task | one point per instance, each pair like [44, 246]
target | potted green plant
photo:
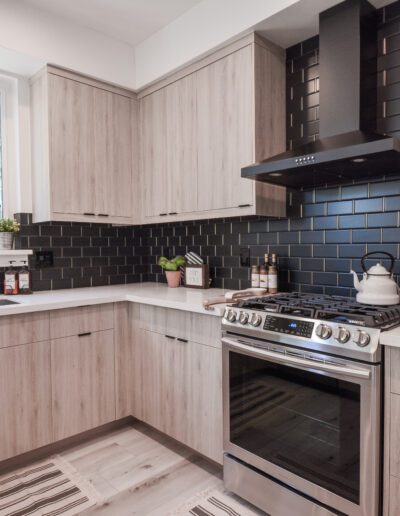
[171, 268]
[8, 228]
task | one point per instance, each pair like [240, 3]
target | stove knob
[323, 331]
[231, 316]
[255, 320]
[243, 318]
[361, 338]
[341, 334]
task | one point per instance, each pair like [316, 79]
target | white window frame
[15, 134]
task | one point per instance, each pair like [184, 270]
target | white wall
[52, 39]
[204, 27]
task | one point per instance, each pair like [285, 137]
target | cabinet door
[113, 155]
[25, 398]
[225, 115]
[72, 146]
[83, 382]
[154, 154]
[180, 98]
[182, 391]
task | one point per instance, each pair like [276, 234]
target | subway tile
[337, 265]
[352, 250]
[279, 225]
[352, 221]
[340, 236]
[310, 210]
[340, 207]
[354, 191]
[327, 194]
[301, 250]
[392, 203]
[384, 188]
[325, 222]
[379, 220]
[312, 264]
[391, 235]
[325, 278]
[311, 237]
[325, 251]
[287, 237]
[300, 224]
[368, 205]
[366, 235]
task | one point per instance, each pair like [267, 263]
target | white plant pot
[6, 240]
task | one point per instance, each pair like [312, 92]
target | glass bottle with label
[273, 275]
[255, 276]
[11, 281]
[24, 280]
[263, 277]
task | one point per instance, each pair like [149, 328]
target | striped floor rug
[46, 489]
[215, 502]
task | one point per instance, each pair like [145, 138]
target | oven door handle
[302, 363]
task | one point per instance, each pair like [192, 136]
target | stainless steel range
[302, 403]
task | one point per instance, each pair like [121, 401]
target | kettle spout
[357, 284]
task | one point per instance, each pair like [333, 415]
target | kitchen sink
[4, 302]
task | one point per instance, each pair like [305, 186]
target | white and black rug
[48, 488]
[215, 502]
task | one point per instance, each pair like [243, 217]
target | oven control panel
[289, 326]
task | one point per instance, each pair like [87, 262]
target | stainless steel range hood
[349, 147]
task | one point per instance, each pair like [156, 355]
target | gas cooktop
[327, 308]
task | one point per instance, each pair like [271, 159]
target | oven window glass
[305, 422]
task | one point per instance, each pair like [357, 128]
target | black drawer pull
[163, 214]
[244, 205]
[173, 213]
[103, 214]
[91, 214]
[170, 337]
[182, 340]
[84, 334]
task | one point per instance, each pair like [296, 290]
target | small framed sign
[197, 276]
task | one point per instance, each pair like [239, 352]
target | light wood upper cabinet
[25, 398]
[82, 149]
[226, 131]
[203, 124]
[181, 137]
[153, 154]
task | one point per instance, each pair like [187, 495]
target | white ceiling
[131, 21]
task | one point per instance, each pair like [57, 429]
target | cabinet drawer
[395, 370]
[200, 328]
[24, 329]
[83, 319]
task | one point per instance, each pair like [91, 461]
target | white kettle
[378, 286]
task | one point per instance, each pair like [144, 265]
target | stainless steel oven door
[313, 425]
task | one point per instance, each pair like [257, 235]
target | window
[15, 180]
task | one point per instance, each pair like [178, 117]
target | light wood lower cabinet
[25, 398]
[82, 382]
[181, 385]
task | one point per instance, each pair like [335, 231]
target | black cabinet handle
[182, 340]
[91, 214]
[163, 214]
[84, 334]
[170, 337]
[173, 213]
[103, 214]
[244, 205]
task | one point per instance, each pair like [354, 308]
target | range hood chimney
[348, 146]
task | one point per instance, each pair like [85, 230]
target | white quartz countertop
[156, 294]
[391, 338]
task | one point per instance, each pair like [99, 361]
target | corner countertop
[156, 294]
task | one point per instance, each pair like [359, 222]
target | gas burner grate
[333, 308]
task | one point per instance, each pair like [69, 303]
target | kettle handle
[377, 252]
